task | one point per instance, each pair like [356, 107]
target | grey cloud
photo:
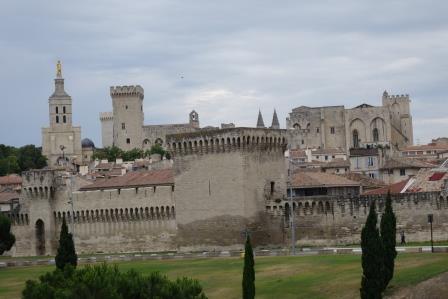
[235, 57]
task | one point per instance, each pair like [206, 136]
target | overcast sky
[225, 59]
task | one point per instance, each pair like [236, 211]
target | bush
[66, 251]
[7, 239]
[104, 281]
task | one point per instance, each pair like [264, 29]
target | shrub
[104, 281]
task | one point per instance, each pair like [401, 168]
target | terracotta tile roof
[105, 165]
[401, 162]
[6, 197]
[134, 179]
[327, 151]
[336, 163]
[366, 181]
[424, 147]
[297, 153]
[10, 179]
[394, 189]
[424, 181]
[320, 179]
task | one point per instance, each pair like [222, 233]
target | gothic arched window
[375, 134]
[64, 119]
[57, 110]
[57, 119]
[63, 109]
[355, 139]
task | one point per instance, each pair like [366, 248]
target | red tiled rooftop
[10, 179]
[134, 179]
[424, 147]
[320, 179]
[6, 197]
[394, 189]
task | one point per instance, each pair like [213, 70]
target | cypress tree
[248, 272]
[372, 258]
[66, 253]
[388, 228]
[7, 239]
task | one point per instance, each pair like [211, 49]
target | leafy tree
[30, 157]
[103, 281]
[7, 239]
[16, 160]
[133, 154]
[388, 228]
[9, 165]
[66, 253]
[157, 149]
[248, 271]
[372, 258]
[108, 153]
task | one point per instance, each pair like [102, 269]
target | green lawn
[323, 276]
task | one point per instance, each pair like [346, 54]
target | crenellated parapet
[126, 91]
[398, 98]
[106, 116]
[42, 183]
[226, 140]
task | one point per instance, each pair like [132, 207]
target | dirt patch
[434, 288]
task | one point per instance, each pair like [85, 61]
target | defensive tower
[223, 180]
[127, 102]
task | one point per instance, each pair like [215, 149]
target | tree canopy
[16, 160]
[7, 239]
[113, 152]
[104, 281]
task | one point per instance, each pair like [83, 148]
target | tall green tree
[66, 253]
[388, 229]
[7, 239]
[248, 271]
[372, 258]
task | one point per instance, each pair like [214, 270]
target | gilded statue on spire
[59, 69]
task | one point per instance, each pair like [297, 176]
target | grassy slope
[331, 276]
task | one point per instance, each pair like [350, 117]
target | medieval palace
[219, 182]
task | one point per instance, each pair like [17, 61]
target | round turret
[87, 143]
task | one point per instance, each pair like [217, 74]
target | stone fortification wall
[153, 134]
[222, 179]
[326, 221]
[116, 220]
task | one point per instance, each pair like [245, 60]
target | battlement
[224, 140]
[131, 90]
[106, 116]
[398, 97]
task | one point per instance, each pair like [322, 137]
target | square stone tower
[61, 142]
[223, 180]
[128, 117]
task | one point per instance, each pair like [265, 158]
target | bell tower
[61, 142]
[194, 119]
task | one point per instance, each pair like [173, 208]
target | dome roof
[86, 142]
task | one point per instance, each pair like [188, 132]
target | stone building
[363, 126]
[218, 186]
[124, 127]
[61, 142]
